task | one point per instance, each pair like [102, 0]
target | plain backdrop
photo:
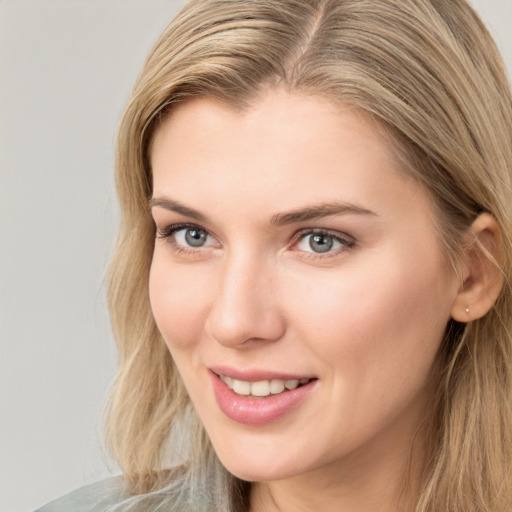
[66, 70]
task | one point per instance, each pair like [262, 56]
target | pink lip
[257, 411]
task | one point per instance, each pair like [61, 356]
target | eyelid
[170, 229]
[348, 242]
[167, 234]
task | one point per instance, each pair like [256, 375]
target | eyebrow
[315, 211]
[176, 206]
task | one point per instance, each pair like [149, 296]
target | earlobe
[481, 276]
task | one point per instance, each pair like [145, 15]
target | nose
[246, 307]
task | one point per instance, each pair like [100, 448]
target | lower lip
[258, 411]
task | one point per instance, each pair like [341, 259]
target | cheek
[372, 321]
[375, 334]
[179, 301]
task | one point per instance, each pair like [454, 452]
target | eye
[187, 236]
[192, 237]
[321, 242]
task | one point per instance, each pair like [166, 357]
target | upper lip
[256, 375]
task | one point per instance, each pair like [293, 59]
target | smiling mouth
[262, 388]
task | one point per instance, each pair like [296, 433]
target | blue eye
[321, 242]
[191, 236]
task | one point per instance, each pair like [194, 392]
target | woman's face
[292, 253]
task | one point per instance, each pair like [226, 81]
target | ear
[481, 276]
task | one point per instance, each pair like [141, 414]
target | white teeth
[291, 384]
[261, 388]
[227, 380]
[276, 386]
[241, 387]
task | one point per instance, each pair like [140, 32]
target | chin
[251, 473]
[259, 467]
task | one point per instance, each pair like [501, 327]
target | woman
[311, 291]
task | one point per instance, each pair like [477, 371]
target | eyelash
[167, 234]
[347, 242]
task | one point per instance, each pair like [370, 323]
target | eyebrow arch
[317, 211]
[176, 206]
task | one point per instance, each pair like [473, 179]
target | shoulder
[95, 497]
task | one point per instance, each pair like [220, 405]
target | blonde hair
[429, 71]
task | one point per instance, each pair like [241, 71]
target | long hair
[429, 72]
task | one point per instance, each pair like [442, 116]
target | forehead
[207, 127]
[286, 147]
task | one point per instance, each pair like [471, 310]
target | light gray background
[66, 69]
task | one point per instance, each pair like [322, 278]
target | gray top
[96, 497]
[109, 496]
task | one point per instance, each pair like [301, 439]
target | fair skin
[241, 286]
